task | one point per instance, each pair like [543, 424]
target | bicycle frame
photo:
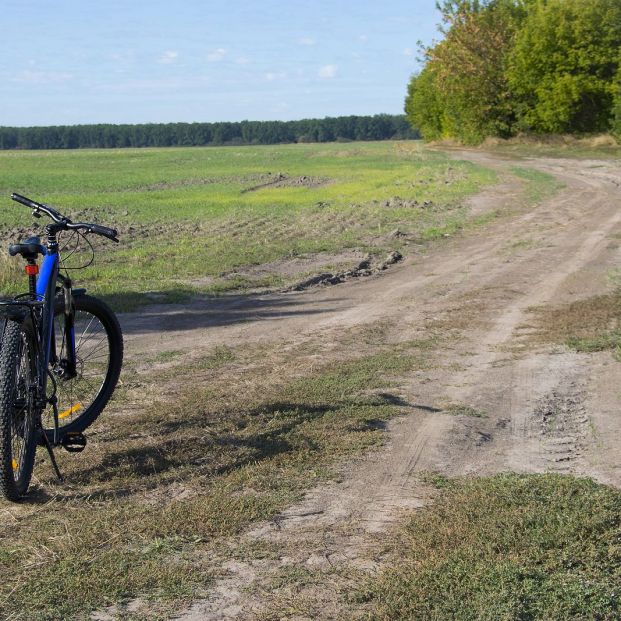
[45, 289]
[46, 292]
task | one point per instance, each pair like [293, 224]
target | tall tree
[469, 66]
[616, 112]
[424, 108]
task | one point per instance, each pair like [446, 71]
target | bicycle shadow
[180, 451]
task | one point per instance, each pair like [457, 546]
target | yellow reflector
[70, 411]
[14, 464]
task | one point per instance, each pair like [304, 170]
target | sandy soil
[547, 409]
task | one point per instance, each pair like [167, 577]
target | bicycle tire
[18, 414]
[81, 400]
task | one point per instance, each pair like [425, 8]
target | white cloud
[328, 71]
[408, 51]
[148, 86]
[242, 60]
[271, 76]
[216, 55]
[168, 57]
[306, 41]
[42, 77]
[363, 38]
[124, 58]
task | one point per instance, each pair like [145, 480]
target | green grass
[609, 340]
[539, 185]
[187, 223]
[507, 547]
[118, 533]
[462, 409]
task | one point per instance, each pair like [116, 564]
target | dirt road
[546, 408]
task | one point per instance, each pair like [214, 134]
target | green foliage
[463, 92]
[423, 106]
[470, 65]
[563, 65]
[330, 129]
[505, 66]
[616, 114]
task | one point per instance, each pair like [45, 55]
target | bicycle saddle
[29, 248]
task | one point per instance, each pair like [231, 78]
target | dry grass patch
[593, 324]
[592, 146]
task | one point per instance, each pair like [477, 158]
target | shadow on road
[218, 311]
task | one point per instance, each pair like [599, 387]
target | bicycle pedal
[74, 442]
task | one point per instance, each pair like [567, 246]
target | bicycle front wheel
[99, 356]
[18, 414]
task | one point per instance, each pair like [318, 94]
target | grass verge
[507, 547]
[539, 185]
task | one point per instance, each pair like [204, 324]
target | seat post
[32, 269]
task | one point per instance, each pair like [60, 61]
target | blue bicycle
[61, 353]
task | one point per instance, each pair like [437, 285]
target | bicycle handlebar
[98, 229]
[52, 213]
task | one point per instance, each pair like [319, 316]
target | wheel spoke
[85, 329]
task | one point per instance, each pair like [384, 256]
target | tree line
[329, 129]
[506, 67]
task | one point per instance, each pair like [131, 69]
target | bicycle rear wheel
[99, 356]
[18, 414]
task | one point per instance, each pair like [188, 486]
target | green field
[192, 218]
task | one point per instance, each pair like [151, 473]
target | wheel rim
[92, 361]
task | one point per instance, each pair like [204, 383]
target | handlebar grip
[105, 231]
[25, 201]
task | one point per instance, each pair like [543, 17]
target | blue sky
[113, 61]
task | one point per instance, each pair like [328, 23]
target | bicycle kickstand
[48, 444]
[50, 450]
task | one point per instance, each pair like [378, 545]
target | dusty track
[547, 409]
